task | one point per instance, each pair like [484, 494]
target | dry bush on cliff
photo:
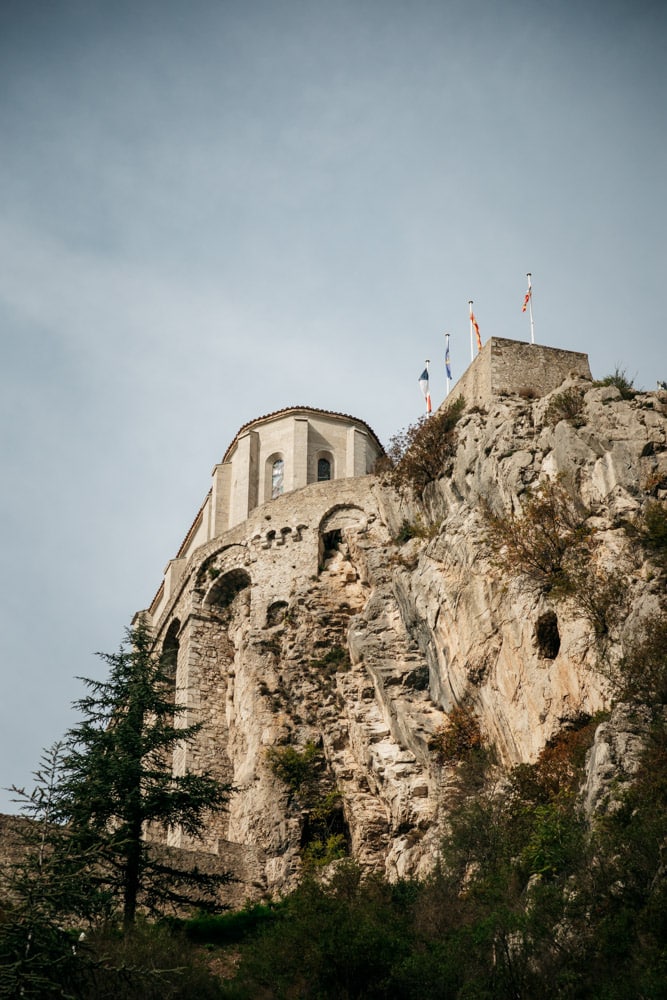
[419, 454]
[538, 541]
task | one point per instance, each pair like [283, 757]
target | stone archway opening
[275, 613]
[169, 654]
[227, 588]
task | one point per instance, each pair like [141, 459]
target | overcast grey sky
[211, 210]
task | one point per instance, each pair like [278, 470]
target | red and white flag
[476, 326]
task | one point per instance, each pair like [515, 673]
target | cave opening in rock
[547, 636]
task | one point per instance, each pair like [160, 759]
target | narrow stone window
[169, 657]
[277, 478]
[323, 470]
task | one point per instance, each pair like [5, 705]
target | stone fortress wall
[504, 367]
[248, 558]
[299, 438]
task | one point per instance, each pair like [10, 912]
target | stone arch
[209, 569]
[333, 525]
[275, 613]
[343, 515]
[169, 651]
[226, 588]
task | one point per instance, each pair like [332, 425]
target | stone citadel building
[291, 555]
[295, 447]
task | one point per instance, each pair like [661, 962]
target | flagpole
[472, 356]
[530, 308]
[447, 360]
[428, 398]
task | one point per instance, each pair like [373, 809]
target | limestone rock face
[418, 628]
[615, 757]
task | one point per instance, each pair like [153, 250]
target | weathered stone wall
[506, 367]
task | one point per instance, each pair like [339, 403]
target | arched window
[277, 478]
[169, 657]
[323, 470]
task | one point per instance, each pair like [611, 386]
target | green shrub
[324, 833]
[458, 737]
[298, 769]
[654, 532]
[567, 405]
[321, 851]
[620, 380]
[226, 928]
[642, 674]
[554, 842]
[335, 660]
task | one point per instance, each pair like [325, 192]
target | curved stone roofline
[285, 411]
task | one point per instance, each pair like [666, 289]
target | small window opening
[323, 470]
[277, 478]
[169, 657]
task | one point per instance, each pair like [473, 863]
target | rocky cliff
[354, 629]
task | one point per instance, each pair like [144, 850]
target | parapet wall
[507, 367]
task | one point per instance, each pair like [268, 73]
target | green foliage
[620, 380]
[116, 778]
[458, 737]
[408, 530]
[46, 888]
[567, 405]
[299, 769]
[419, 454]
[335, 660]
[322, 850]
[642, 673]
[340, 940]
[226, 928]
[554, 842]
[524, 902]
[324, 835]
[653, 532]
[414, 529]
[146, 962]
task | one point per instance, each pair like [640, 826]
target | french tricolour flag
[423, 385]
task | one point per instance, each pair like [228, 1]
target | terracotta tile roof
[302, 409]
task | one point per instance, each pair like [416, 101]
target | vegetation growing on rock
[418, 455]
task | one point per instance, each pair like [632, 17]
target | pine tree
[116, 780]
[43, 892]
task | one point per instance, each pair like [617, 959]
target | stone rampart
[508, 367]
